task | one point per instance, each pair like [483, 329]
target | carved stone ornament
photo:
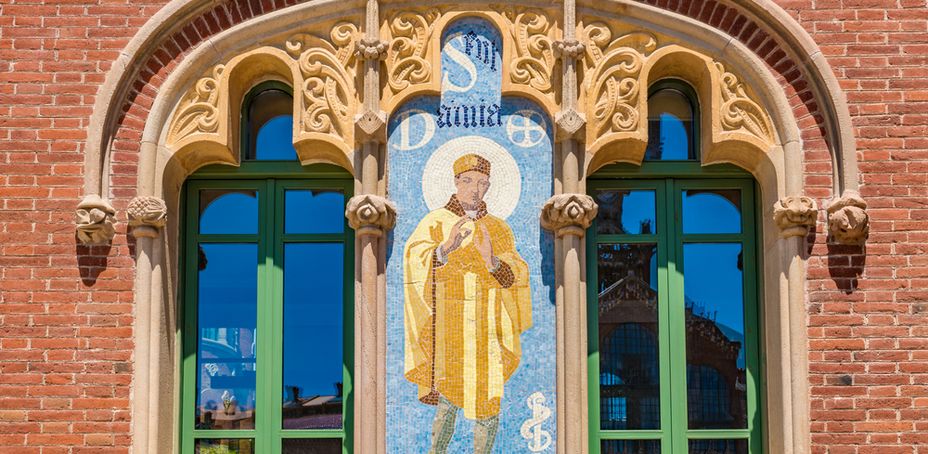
[95, 221]
[613, 67]
[848, 221]
[533, 59]
[569, 48]
[197, 112]
[370, 214]
[328, 71]
[371, 126]
[795, 215]
[407, 61]
[371, 49]
[568, 214]
[147, 215]
[569, 124]
[738, 111]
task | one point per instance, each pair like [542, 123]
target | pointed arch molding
[312, 46]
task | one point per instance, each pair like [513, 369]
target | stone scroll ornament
[612, 86]
[147, 215]
[198, 111]
[795, 215]
[328, 71]
[407, 60]
[738, 111]
[96, 220]
[533, 59]
[848, 221]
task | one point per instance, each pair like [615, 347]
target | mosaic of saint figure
[467, 301]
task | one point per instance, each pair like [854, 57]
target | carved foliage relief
[325, 89]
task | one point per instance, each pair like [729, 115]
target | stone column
[568, 213]
[370, 214]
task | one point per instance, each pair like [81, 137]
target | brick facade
[66, 311]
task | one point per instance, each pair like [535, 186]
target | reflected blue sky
[313, 326]
[225, 211]
[711, 211]
[674, 139]
[633, 209]
[714, 284]
[275, 140]
[314, 211]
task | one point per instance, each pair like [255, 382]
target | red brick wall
[66, 310]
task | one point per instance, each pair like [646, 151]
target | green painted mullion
[347, 432]
[627, 239]
[713, 238]
[188, 323]
[266, 334]
[719, 434]
[664, 216]
[228, 238]
[231, 433]
[752, 334]
[674, 205]
[633, 435]
[592, 272]
[313, 238]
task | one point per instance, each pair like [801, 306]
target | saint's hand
[484, 245]
[455, 237]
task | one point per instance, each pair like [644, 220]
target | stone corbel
[569, 48]
[370, 214]
[96, 219]
[568, 214]
[147, 215]
[795, 216]
[848, 221]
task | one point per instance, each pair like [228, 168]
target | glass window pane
[270, 127]
[718, 447]
[626, 212]
[313, 333]
[229, 211]
[314, 211]
[670, 127]
[226, 345]
[311, 446]
[226, 446]
[631, 447]
[712, 211]
[629, 371]
[715, 356]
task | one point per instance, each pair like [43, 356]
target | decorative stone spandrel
[370, 214]
[568, 214]
[848, 221]
[96, 219]
[795, 215]
[147, 215]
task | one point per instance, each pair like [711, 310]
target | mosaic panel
[471, 363]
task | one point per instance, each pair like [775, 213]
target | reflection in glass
[712, 211]
[715, 357]
[631, 447]
[270, 127]
[626, 212]
[226, 345]
[229, 211]
[313, 312]
[225, 446]
[670, 127]
[311, 446]
[314, 211]
[629, 374]
[718, 447]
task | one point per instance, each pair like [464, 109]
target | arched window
[673, 316]
[267, 299]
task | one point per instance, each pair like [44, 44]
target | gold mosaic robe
[463, 322]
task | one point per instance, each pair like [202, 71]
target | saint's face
[472, 186]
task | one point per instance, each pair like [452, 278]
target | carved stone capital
[568, 214]
[569, 48]
[147, 215]
[848, 221]
[370, 214]
[371, 49]
[795, 215]
[95, 220]
[371, 126]
[569, 123]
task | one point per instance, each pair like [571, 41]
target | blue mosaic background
[416, 130]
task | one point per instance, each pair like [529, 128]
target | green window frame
[668, 180]
[270, 179]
